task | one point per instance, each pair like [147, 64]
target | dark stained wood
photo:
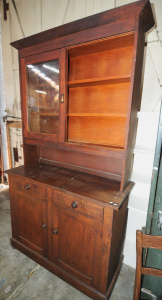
[30, 217]
[145, 241]
[98, 150]
[81, 37]
[29, 188]
[69, 201]
[82, 205]
[117, 242]
[99, 190]
[134, 102]
[132, 10]
[109, 167]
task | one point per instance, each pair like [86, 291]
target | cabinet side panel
[31, 154]
[117, 241]
[12, 207]
[134, 102]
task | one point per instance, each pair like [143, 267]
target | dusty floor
[23, 279]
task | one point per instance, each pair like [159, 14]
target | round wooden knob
[74, 205]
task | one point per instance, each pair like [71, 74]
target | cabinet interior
[98, 91]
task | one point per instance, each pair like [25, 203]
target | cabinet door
[75, 241]
[30, 214]
[43, 88]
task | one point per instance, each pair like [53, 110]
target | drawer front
[78, 204]
[28, 187]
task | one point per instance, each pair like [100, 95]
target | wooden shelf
[48, 114]
[103, 80]
[118, 115]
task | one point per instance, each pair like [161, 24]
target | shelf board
[48, 114]
[122, 115]
[102, 80]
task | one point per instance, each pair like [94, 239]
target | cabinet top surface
[134, 10]
[98, 189]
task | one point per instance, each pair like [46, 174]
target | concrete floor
[23, 279]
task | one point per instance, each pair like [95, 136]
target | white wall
[39, 15]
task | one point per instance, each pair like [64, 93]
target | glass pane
[43, 97]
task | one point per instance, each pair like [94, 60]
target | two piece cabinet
[80, 94]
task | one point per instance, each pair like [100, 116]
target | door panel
[31, 221]
[74, 245]
[43, 95]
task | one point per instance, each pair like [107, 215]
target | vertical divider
[63, 94]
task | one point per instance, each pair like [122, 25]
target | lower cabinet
[75, 243]
[76, 238]
[30, 221]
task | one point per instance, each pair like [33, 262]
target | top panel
[134, 10]
[97, 189]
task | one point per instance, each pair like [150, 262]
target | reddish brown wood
[108, 63]
[83, 206]
[117, 104]
[31, 219]
[132, 10]
[81, 37]
[104, 166]
[69, 203]
[117, 242]
[145, 241]
[134, 102]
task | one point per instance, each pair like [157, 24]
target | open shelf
[97, 115]
[98, 91]
[100, 81]
[97, 130]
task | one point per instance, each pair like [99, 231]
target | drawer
[28, 187]
[78, 204]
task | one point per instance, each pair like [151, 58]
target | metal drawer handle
[74, 204]
[44, 225]
[26, 187]
[54, 231]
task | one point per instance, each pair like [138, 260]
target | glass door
[43, 96]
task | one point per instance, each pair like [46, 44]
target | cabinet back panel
[103, 64]
[105, 98]
[97, 130]
[109, 167]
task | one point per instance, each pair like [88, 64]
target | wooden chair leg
[137, 287]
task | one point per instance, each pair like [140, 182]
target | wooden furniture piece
[145, 241]
[80, 91]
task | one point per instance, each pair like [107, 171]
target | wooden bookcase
[80, 90]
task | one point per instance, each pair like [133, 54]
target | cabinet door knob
[54, 231]
[26, 187]
[74, 205]
[44, 225]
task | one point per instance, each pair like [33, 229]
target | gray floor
[21, 278]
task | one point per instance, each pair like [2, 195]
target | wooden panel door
[30, 220]
[75, 243]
